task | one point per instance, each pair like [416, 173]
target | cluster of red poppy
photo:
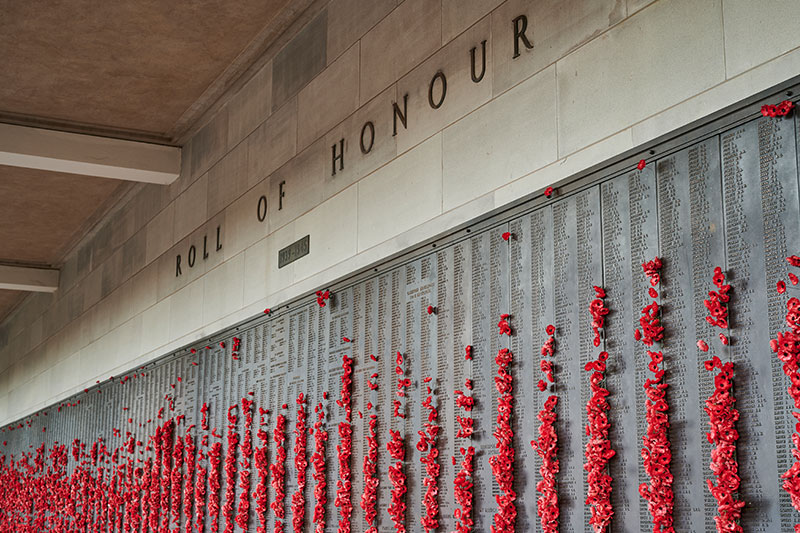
[321, 297]
[345, 448]
[176, 479]
[278, 471]
[245, 452]
[427, 443]
[780, 110]
[503, 463]
[230, 469]
[262, 468]
[723, 435]
[598, 310]
[787, 346]
[188, 488]
[237, 342]
[717, 301]
[546, 446]
[656, 450]
[300, 465]
[397, 509]
[463, 492]
[370, 496]
[214, 463]
[598, 448]
[505, 328]
[396, 449]
[319, 462]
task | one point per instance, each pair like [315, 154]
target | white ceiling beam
[28, 279]
[74, 153]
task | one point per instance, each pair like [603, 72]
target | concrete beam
[28, 279]
[73, 153]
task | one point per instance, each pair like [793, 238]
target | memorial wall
[384, 401]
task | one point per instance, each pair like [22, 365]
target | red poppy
[506, 235]
[548, 192]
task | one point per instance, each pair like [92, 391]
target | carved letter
[371, 127]
[205, 245]
[520, 25]
[261, 210]
[178, 266]
[281, 194]
[438, 75]
[476, 78]
[340, 157]
[219, 243]
[192, 255]
[397, 113]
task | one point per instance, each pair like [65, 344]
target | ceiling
[144, 70]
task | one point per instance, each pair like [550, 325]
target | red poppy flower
[506, 236]
[793, 278]
[267, 311]
[781, 287]
[794, 260]
[642, 163]
[548, 192]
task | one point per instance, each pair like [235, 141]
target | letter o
[261, 210]
[367, 125]
[438, 75]
[192, 255]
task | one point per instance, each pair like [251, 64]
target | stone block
[243, 227]
[328, 99]
[300, 60]
[160, 233]
[509, 137]
[348, 20]
[302, 176]
[207, 146]
[227, 180]
[458, 15]
[398, 43]
[186, 309]
[554, 27]
[332, 227]
[250, 106]
[450, 66]
[191, 208]
[400, 195]
[223, 289]
[756, 32]
[380, 149]
[661, 56]
[272, 144]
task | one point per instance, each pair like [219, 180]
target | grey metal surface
[730, 200]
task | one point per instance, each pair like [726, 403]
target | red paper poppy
[548, 192]
[642, 163]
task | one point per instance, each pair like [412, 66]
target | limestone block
[328, 99]
[509, 137]
[554, 28]
[400, 195]
[397, 43]
[661, 56]
[348, 20]
[462, 94]
[300, 60]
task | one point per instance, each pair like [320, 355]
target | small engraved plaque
[294, 251]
